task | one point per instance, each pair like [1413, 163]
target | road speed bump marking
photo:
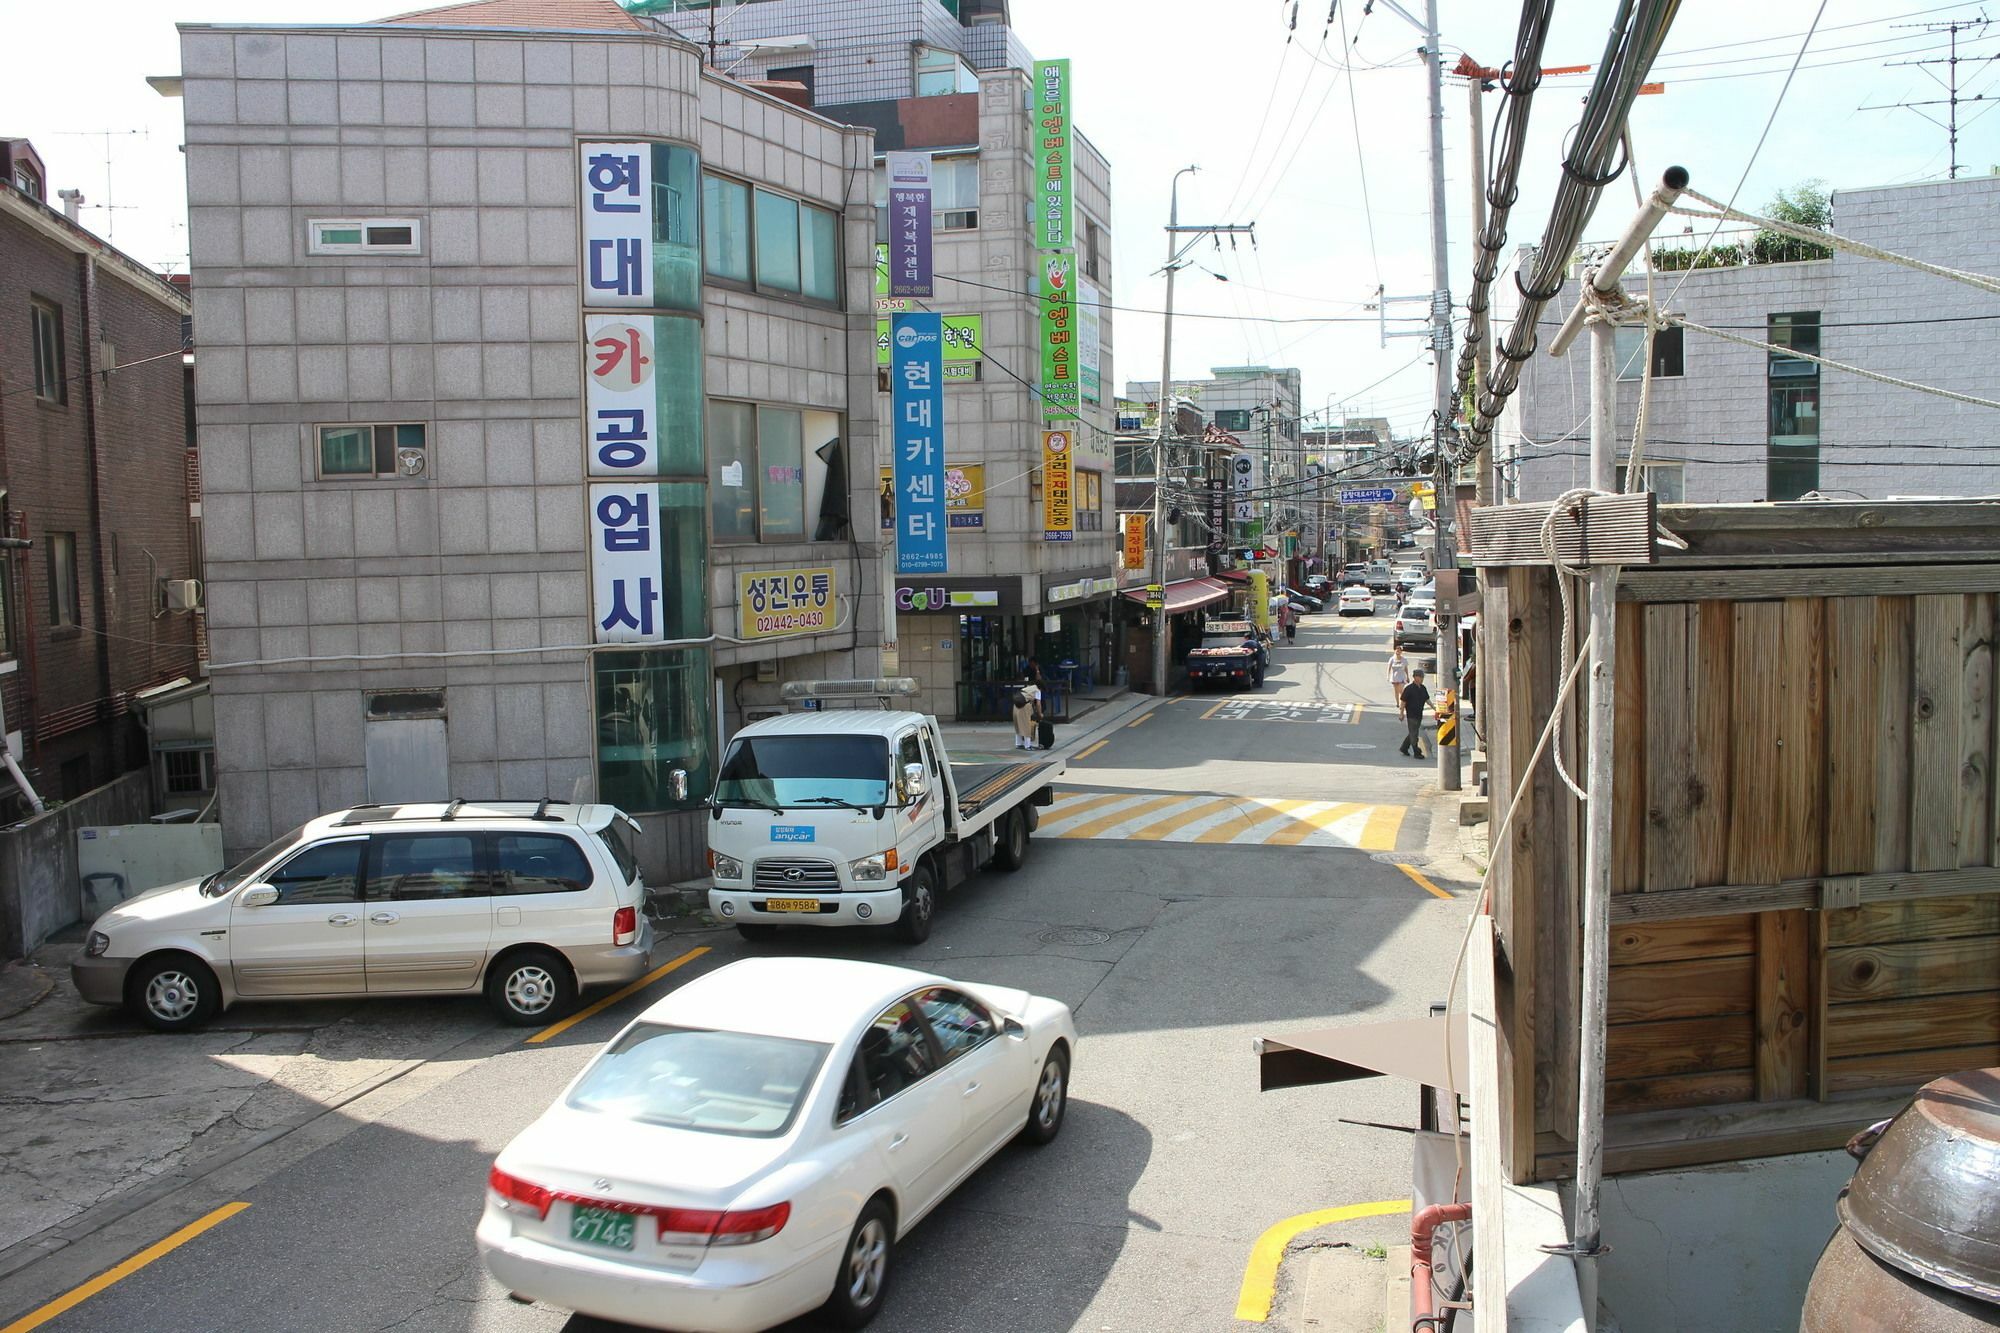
[1260, 1275]
[557, 1029]
[110, 1276]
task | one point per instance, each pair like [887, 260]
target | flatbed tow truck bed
[983, 785]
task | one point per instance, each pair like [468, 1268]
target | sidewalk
[1092, 715]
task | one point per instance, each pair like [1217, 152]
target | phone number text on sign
[778, 602]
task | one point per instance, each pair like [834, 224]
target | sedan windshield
[779, 771]
[688, 1078]
[223, 881]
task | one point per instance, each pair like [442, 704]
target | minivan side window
[327, 873]
[538, 863]
[418, 867]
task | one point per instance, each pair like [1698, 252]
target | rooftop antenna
[1949, 82]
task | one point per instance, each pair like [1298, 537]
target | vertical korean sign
[1054, 178]
[909, 224]
[617, 223]
[1058, 475]
[1060, 383]
[1135, 541]
[916, 383]
[621, 405]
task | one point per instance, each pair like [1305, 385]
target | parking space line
[78, 1295]
[1090, 750]
[1423, 882]
[1213, 709]
[1260, 1275]
[1141, 718]
[591, 1010]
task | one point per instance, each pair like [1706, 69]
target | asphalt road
[1142, 1214]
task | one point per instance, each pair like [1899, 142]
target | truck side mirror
[677, 784]
[915, 780]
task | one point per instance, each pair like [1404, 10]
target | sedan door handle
[384, 918]
[898, 1142]
[342, 919]
[970, 1088]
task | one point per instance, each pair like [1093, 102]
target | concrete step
[1472, 809]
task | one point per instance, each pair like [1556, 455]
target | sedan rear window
[690, 1078]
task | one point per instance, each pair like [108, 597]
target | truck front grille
[790, 872]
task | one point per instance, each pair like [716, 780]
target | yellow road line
[1091, 828]
[1423, 883]
[1213, 709]
[1358, 709]
[557, 1029]
[1260, 1276]
[1379, 835]
[1091, 750]
[1304, 825]
[1143, 717]
[1181, 819]
[78, 1295]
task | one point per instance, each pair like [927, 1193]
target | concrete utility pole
[1175, 254]
[1602, 585]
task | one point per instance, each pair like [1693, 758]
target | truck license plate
[791, 904]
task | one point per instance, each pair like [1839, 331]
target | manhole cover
[1400, 859]
[1353, 745]
[1074, 935]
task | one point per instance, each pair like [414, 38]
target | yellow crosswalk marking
[1306, 822]
[1380, 833]
[1181, 819]
[1091, 828]
[1260, 812]
[1265, 821]
[1076, 803]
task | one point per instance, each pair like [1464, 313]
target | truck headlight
[725, 867]
[869, 868]
[96, 944]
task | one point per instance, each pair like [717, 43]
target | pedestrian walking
[1399, 676]
[1027, 707]
[1415, 699]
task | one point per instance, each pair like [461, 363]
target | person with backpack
[1026, 702]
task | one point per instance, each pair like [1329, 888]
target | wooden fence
[1807, 832]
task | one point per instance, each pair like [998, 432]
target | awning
[1411, 1048]
[1186, 595]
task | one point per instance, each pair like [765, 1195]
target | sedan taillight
[625, 925]
[702, 1226]
[518, 1195]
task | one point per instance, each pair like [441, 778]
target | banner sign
[964, 496]
[1368, 495]
[1054, 179]
[1135, 541]
[625, 571]
[1243, 477]
[1218, 514]
[916, 384]
[1055, 269]
[1089, 339]
[617, 184]
[961, 339]
[909, 224]
[774, 603]
[1058, 474]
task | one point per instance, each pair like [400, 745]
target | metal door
[407, 760]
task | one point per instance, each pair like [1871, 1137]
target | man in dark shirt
[1415, 699]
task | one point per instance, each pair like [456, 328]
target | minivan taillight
[625, 925]
[518, 1195]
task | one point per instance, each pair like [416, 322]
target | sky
[1315, 134]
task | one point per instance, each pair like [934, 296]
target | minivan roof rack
[378, 813]
[451, 811]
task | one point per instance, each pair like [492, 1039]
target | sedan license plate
[791, 904]
[601, 1226]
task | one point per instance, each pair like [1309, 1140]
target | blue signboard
[916, 382]
[793, 833]
[1368, 495]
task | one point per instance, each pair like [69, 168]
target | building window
[1233, 418]
[1629, 343]
[1092, 240]
[62, 577]
[45, 323]
[1133, 461]
[1664, 478]
[6, 606]
[768, 466]
[350, 451]
[725, 209]
[28, 181]
[1089, 501]
[941, 72]
[364, 236]
[187, 772]
[792, 247]
[1792, 461]
[652, 708]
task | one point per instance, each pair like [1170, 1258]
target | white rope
[1724, 212]
[1875, 375]
[1567, 501]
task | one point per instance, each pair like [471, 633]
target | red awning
[1235, 575]
[1186, 595]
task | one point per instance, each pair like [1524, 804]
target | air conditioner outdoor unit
[182, 594]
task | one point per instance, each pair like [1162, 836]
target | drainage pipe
[1423, 1290]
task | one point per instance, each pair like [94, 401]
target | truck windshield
[794, 770]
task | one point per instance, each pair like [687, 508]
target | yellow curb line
[557, 1029]
[78, 1295]
[1146, 716]
[1260, 1277]
[1422, 882]
[1090, 750]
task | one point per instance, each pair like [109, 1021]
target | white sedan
[751, 1147]
[1357, 600]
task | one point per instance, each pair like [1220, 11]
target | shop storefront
[962, 640]
[1188, 603]
[1076, 642]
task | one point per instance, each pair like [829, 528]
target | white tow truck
[857, 816]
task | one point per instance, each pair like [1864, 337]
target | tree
[1804, 205]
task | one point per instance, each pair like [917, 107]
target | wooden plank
[1616, 529]
[1691, 988]
[1709, 799]
[1919, 1023]
[1932, 967]
[1500, 721]
[1671, 584]
[1783, 1003]
[1908, 1069]
[1691, 1136]
[1628, 765]
[1800, 752]
[1513, 902]
[1551, 867]
[1755, 794]
[1936, 684]
[1669, 941]
[1679, 1046]
[1670, 783]
[1852, 683]
[1975, 769]
[1622, 1096]
[1820, 524]
[1894, 623]
[1923, 919]
[1817, 1005]
[1730, 899]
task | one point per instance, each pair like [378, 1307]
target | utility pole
[1481, 334]
[1176, 256]
[1949, 83]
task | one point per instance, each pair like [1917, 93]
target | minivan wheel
[863, 1280]
[173, 993]
[531, 988]
[919, 905]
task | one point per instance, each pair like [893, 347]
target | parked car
[1304, 602]
[753, 1146]
[1317, 584]
[1357, 602]
[1415, 627]
[1230, 653]
[528, 902]
[1353, 574]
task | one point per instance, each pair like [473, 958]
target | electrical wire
[1190, 314]
[82, 375]
[1361, 160]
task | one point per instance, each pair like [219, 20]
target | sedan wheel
[863, 1281]
[1045, 1113]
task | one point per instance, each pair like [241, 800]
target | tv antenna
[1950, 81]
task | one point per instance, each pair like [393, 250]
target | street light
[1160, 444]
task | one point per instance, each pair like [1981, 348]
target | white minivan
[529, 902]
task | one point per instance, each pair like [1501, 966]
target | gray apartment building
[536, 405]
[1259, 406]
[1731, 423]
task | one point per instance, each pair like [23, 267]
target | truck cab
[1229, 654]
